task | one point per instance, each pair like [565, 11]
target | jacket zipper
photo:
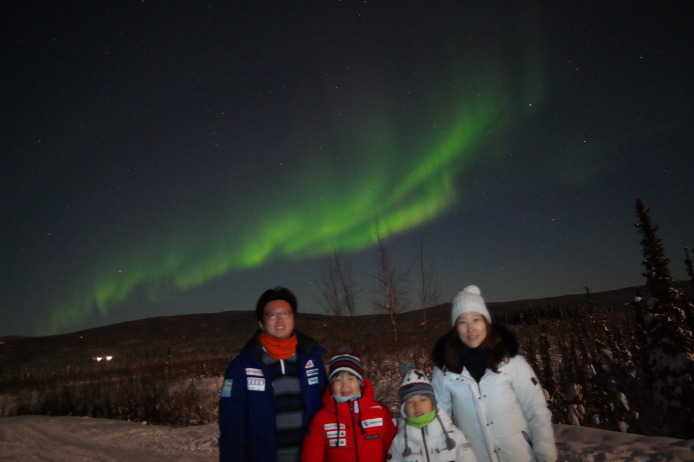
[424, 440]
[354, 432]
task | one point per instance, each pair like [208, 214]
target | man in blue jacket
[272, 388]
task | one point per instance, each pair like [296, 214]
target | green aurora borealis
[178, 158]
[396, 191]
[375, 147]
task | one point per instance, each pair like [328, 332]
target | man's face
[278, 319]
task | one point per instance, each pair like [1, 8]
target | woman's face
[345, 385]
[418, 405]
[471, 328]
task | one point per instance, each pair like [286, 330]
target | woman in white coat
[490, 391]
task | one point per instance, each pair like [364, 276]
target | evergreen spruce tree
[600, 388]
[690, 299]
[619, 345]
[690, 268]
[549, 380]
[657, 274]
[593, 379]
[649, 417]
[574, 380]
[529, 352]
[668, 356]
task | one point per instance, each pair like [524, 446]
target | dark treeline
[588, 358]
[619, 366]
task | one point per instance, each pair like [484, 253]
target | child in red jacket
[351, 425]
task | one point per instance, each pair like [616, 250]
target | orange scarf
[279, 348]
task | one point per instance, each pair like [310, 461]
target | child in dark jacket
[351, 425]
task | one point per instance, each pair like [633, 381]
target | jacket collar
[367, 396]
[305, 345]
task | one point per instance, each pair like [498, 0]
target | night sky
[171, 157]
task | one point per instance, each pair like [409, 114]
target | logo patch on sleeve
[226, 388]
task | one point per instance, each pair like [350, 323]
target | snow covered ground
[41, 438]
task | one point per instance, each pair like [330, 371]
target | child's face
[418, 405]
[345, 384]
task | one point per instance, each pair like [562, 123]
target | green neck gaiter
[421, 421]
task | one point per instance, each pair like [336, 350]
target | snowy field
[41, 438]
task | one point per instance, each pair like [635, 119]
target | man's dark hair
[278, 293]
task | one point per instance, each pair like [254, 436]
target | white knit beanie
[469, 300]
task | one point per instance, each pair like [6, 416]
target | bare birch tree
[338, 296]
[428, 285]
[391, 292]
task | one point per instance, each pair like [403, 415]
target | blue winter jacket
[247, 423]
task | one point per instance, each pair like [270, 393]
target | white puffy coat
[428, 444]
[504, 416]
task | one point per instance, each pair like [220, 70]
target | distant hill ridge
[228, 330]
[182, 324]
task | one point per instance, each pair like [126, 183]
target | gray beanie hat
[469, 300]
[414, 382]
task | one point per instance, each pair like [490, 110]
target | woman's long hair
[446, 353]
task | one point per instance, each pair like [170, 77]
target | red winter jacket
[366, 430]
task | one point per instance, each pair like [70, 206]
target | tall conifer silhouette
[667, 357]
